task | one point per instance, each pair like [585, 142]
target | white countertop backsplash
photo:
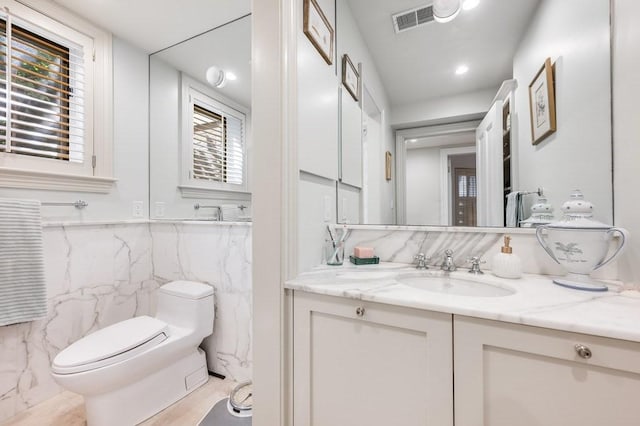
[536, 301]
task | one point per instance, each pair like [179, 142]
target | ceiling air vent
[413, 18]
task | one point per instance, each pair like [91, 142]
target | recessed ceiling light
[470, 4]
[412, 140]
[462, 69]
[231, 76]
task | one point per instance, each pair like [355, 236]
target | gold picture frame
[387, 165]
[542, 103]
[350, 77]
[318, 30]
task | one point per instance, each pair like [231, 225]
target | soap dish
[368, 261]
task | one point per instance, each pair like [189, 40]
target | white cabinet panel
[507, 374]
[351, 140]
[384, 366]
[317, 105]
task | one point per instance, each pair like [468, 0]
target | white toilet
[131, 370]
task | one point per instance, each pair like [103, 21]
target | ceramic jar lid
[578, 213]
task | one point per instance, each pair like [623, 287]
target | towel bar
[80, 204]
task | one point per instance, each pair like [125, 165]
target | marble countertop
[535, 301]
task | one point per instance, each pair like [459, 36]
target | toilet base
[140, 400]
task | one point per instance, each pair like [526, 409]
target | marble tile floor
[66, 409]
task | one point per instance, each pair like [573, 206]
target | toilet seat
[111, 344]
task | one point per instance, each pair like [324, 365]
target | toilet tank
[187, 304]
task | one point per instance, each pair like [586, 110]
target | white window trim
[191, 188]
[35, 173]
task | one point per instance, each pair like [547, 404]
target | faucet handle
[448, 252]
[422, 260]
[475, 264]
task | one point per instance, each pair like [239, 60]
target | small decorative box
[364, 261]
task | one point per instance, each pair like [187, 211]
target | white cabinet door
[508, 374]
[364, 364]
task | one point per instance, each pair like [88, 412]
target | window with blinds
[218, 146]
[41, 93]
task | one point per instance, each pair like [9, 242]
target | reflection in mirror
[200, 126]
[456, 102]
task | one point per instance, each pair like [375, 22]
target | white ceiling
[228, 48]
[439, 141]
[419, 64]
[153, 25]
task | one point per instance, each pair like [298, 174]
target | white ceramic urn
[579, 243]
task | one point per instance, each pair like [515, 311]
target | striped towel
[23, 293]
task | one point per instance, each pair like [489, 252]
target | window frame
[95, 173]
[193, 92]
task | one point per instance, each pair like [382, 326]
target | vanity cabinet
[362, 363]
[359, 363]
[508, 374]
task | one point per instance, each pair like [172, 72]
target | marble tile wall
[218, 255]
[101, 274]
[402, 243]
[96, 276]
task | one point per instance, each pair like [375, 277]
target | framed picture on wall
[542, 104]
[387, 165]
[318, 30]
[350, 77]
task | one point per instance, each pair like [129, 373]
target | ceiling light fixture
[445, 10]
[470, 4]
[462, 69]
[412, 140]
[231, 76]
[216, 77]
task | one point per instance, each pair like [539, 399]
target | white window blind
[42, 99]
[218, 146]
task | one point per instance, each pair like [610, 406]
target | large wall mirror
[457, 124]
[200, 125]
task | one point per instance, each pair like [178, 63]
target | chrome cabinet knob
[583, 351]
[360, 311]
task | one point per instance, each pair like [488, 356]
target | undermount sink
[453, 285]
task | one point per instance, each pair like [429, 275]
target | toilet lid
[111, 344]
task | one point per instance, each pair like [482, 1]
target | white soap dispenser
[506, 264]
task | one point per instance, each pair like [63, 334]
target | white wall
[130, 146]
[576, 38]
[423, 186]
[316, 209]
[164, 147]
[349, 204]
[318, 104]
[626, 108]
[466, 106]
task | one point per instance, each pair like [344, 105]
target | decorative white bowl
[579, 243]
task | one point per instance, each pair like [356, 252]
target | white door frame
[446, 181]
[401, 156]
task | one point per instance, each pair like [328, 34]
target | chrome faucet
[447, 264]
[475, 265]
[421, 260]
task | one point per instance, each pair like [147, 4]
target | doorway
[464, 190]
